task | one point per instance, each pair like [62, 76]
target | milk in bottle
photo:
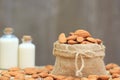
[8, 49]
[26, 52]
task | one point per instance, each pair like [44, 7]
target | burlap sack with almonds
[79, 60]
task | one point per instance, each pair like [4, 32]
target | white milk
[26, 53]
[8, 49]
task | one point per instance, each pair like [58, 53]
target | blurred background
[44, 20]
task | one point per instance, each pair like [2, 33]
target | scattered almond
[35, 76]
[48, 78]
[116, 79]
[14, 69]
[103, 77]
[20, 76]
[115, 75]
[4, 78]
[43, 74]
[30, 71]
[110, 66]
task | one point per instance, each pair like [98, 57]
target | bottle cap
[27, 38]
[8, 30]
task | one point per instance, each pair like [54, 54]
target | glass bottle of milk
[26, 52]
[8, 49]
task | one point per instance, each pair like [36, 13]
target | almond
[72, 42]
[80, 39]
[85, 42]
[62, 38]
[4, 78]
[99, 41]
[14, 69]
[59, 77]
[84, 78]
[35, 76]
[111, 66]
[77, 79]
[91, 39]
[48, 78]
[71, 33]
[30, 71]
[104, 77]
[93, 76]
[43, 74]
[49, 67]
[29, 78]
[116, 79]
[115, 75]
[114, 71]
[73, 37]
[20, 76]
[82, 33]
[13, 74]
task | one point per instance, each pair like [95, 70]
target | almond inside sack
[79, 60]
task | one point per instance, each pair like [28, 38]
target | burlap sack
[79, 60]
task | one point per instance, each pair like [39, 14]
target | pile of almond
[29, 73]
[114, 70]
[44, 74]
[78, 37]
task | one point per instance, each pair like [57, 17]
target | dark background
[44, 20]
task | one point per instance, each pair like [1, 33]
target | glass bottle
[8, 49]
[26, 52]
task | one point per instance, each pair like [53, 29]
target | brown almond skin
[99, 41]
[43, 74]
[73, 37]
[84, 78]
[59, 77]
[85, 42]
[49, 67]
[35, 76]
[30, 71]
[114, 71]
[80, 39]
[103, 77]
[91, 39]
[14, 69]
[116, 79]
[71, 34]
[4, 78]
[62, 38]
[69, 78]
[82, 33]
[72, 42]
[7, 75]
[29, 78]
[20, 76]
[115, 75]
[48, 78]
[111, 66]
[77, 79]
[4, 72]
[93, 76]
[13, 74]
